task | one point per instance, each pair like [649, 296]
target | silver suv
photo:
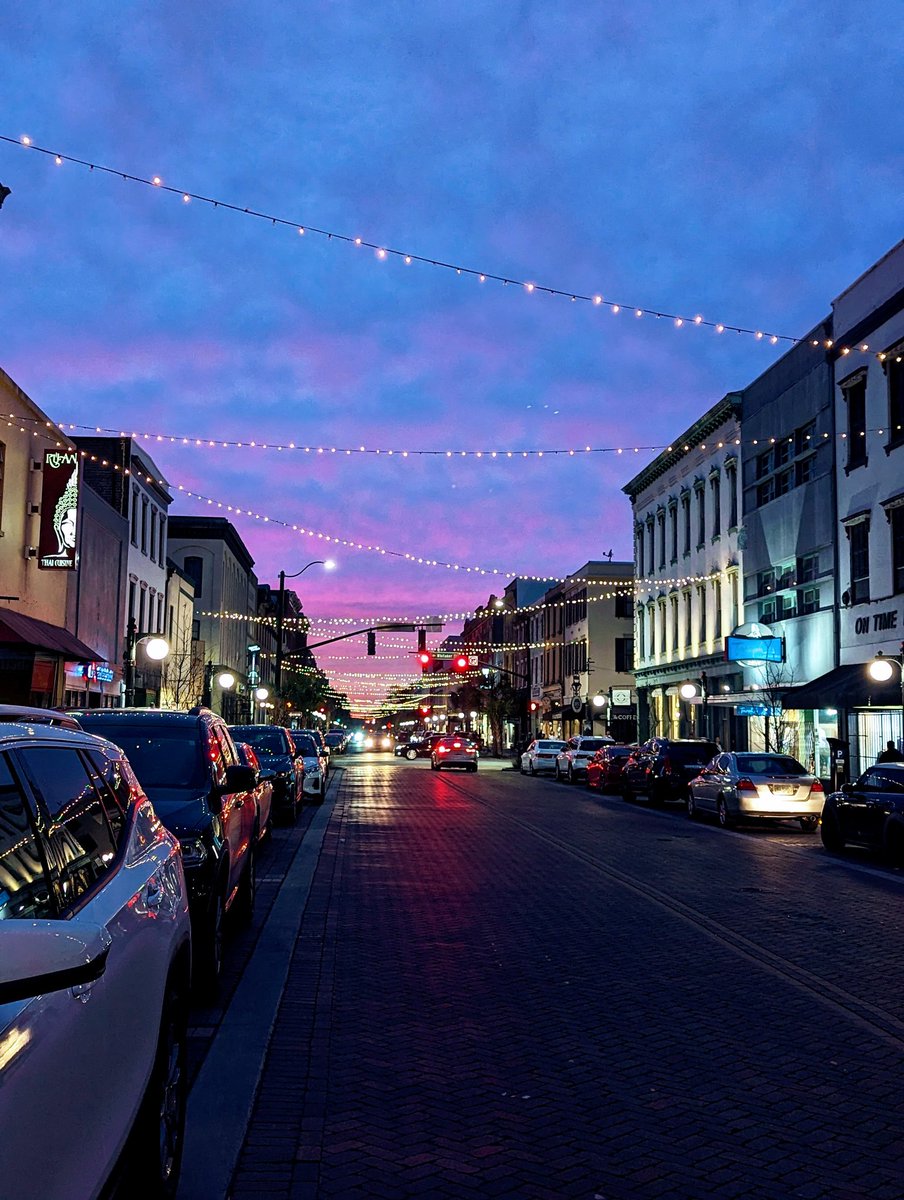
[95, 970]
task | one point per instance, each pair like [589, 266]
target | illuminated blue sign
[755, 649]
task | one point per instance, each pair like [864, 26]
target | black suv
[661, 768]
[280, 763]
[188, 765]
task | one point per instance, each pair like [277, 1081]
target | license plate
[783, 789]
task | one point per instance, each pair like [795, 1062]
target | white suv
[95, 969]
[572, 760]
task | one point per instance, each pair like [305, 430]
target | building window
[132, 598]
[624, 654]
[686, 519]
[2, 461]
[673, 530]
[765, 492]
[701, 516]
[807, 568]
[624, 606]
[733, 600]
[660, 520]
[896, 518]
[717, 608]
[808, 600]
[145, 505]
[686, 599]
[641, 621]
[768, 611]
[763, 464]
[135, 512]
[161, 554]
[765, 582]
[859, 540]
[783, 483]
[194, 569]
[673, 604]
[660, 617]
[731, 480]
[781, 454]
[895, 371]
[142, 610]
[153, 541]
[651, 549]
[715, 484]
[701, 613]
[803, 437]
[803, 471]
[855, 398]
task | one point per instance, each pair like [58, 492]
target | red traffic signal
[533, 706]
[460, 663]
[425, 658]
[425, 710]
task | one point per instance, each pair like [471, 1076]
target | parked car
[378, 741]
[453, 751]
[604, 770]
[313, 763]
[38, 716]
[572, 759]
[540, 755]
[754, 786]
[662, 768]
[868, 812]
[336, 740]
[95, 971]
[263, 792]
[322, 748]
[275, 747]
[189, 767]
[420, 746]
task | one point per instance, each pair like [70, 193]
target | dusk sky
[734, 160]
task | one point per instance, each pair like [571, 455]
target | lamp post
[327, 565]
[689, 691]
[225, 679]
[155, 647]
[880, 668]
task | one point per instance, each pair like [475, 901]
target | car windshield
[269, 743]
[770, 764]
[335, 739]
[691, 752]
[617, 751]
[162, 755]
[305, 745]
[550, 745]
[592, 744]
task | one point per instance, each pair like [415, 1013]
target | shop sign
[621, 697]
[880, 622]
[59, 511]
[752, 650]
[100, 672]
[756, 710]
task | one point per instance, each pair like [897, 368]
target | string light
[383, 252]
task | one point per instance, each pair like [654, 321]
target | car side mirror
[239, 779]
[847, 787]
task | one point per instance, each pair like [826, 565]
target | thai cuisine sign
[59, 510]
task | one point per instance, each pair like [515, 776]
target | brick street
[506, 987]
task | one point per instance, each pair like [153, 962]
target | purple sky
[735, 160]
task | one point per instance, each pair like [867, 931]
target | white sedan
[315, 767]
[95, 964]
[540, 755]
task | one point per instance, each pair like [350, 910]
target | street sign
[536, 692]
[621, 697]
[576, 704]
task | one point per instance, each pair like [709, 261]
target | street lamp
[155, 647]
[328, 564]
[881, 669]
[689, 690]
[225, 680]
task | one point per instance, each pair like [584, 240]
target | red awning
[16, 627]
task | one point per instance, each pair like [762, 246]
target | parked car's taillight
[746, 785]
[816, 786]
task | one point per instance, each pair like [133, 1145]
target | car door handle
[154, 894]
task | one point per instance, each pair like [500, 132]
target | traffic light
[425, 710]
[371, 642]
[533, 706]
[421, 640]
[425, 658]
[460, 663]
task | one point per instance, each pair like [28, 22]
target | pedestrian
[890, 754]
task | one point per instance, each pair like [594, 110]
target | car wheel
[893, 845]
[830, 831]
[726, 820]
[809, 824]
[571, 778]
[411, 755]
[473, 769]
[209, 950]
[154, 1156]
[533, 769]
[691, 806]
[244, 901]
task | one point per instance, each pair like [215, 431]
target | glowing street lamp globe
[156, 648]
[226, 680]
[880, 669]
[687, 691]
[261, 693]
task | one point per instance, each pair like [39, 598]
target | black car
[419, 746]
[662, 768]
[188, 765]
[280, 763]
[869, 812]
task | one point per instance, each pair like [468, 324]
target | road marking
[220, 1103]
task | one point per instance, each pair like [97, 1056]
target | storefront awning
[18, 628]
[845, 687]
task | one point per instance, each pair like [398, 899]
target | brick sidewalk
[471, 1012]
